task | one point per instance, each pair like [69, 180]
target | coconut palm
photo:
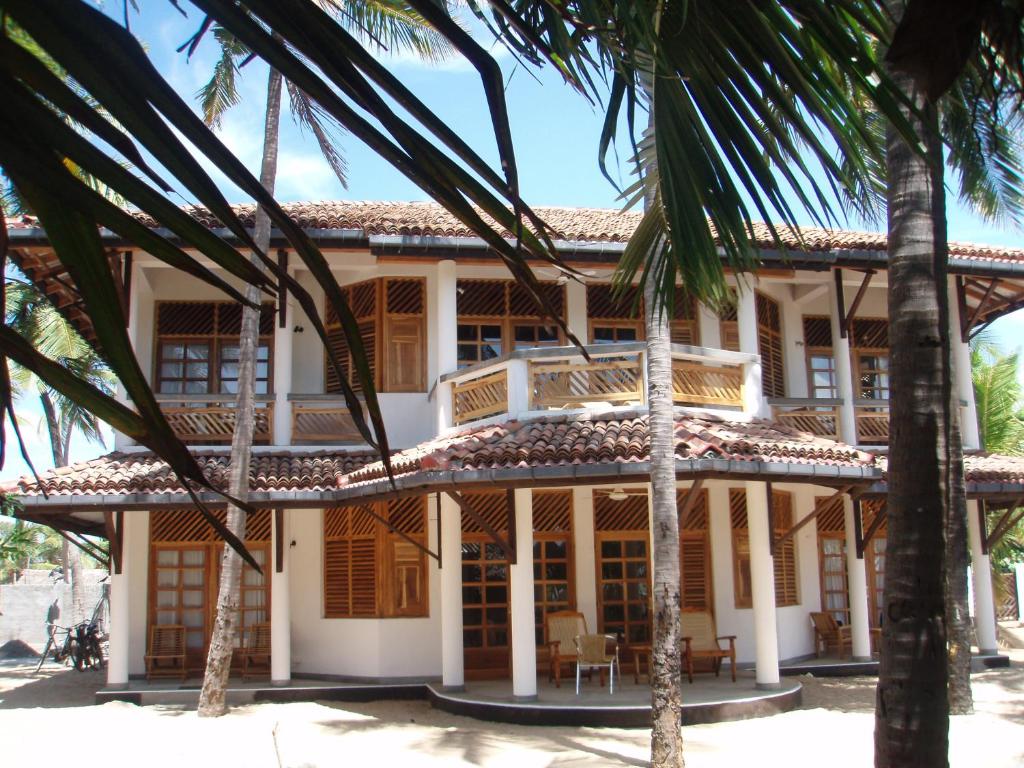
[32, 316]
[390, 25]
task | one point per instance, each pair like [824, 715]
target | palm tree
[911, 720]
[390, 24]
[31, 315]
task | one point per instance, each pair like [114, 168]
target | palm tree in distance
[35, 319]
[390, 25]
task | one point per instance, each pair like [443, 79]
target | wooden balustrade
[314, 422]
[214, 422]
[481, 397]
[699, 384]
[818, 420]
[872, 422]
[567, 384]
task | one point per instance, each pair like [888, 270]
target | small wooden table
[641, 651]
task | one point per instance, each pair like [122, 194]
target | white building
[521, 481]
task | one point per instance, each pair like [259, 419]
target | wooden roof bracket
[691, 498]
[961, 304]
[863, 537]
[466, 507]
[846, 316]
[86, 547]
[818, 508]
[282, 289]
[978, 310]
[278, 522]
[113, 522]
[771, 519]
[1006, 522]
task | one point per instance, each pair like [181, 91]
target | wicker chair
[563, 627]
[592, 653]
[829, 633]
[166, 657]
[256, 650]
[700, 641]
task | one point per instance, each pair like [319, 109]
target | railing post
[519, 387]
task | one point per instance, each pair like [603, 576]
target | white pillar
[981, 571]
[762, 577]
[140, 335]
[283, 343]
[710, 328]
[961, 361]
[1018, 572]
[280, 607]
[844, 373]
[584, 554]
[524, 642]
[446, 339]
[857, 580]
[452, 662]
[576, 309]
[121, 584]
[746, 317]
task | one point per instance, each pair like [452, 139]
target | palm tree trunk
[666, 680]
[911, 717]
[212, 701]
[958, 618]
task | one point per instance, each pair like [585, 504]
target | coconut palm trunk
[958, 617]
[911, 716]
[212, 702]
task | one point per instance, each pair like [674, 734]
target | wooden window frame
[771, 347]
[840, 614]
[860, 371]
[478, 343]
[786, 561]
[623, 537]
[386, 581]
[615, 326]
[812, 388]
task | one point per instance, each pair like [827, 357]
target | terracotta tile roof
[983, 467]
[594, 225]
[143, 473]
[616, 437]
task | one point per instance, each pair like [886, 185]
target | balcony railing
[872, 421]
[210, 419]
[818, 416]
[322, 419]
[554, 378]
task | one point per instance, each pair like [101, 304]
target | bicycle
[68, 648]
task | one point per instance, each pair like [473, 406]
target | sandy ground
[834, 728]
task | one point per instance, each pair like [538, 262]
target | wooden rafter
[282, 289]
[978, 310]
[771, 518]
[86, 547]
[823, 502]
[861, 536]
[690, 500]
[1006, 522]
[961, 304]
[846, 316]
[368, 509]
[467, 508]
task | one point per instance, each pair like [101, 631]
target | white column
[961, 360]
[121, 584]
[746, 317]
[452, 663]
[140, 334]
[710, 328]
[280, 607]
[762, 577]
[844, 374]
[584, 554]
[524, 644]
[981, 571]
[446, 339]
[1018, 572]
[576, 309]
[283, 343]
[860, 624]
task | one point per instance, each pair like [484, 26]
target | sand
[51, 713]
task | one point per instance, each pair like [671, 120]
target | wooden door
[485, 603]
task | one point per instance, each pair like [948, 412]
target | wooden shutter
[350, 563]
[404, 569]
[729, 329]
[769, 345]
[362, 300]
[405, 338]
[786, 590]
[684, 327]
[742, 592]
[695, 555]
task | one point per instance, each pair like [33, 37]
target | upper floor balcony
[555, 378]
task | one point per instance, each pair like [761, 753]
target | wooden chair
[700, 641]
[256, 650]
[166, 657]
[592, 653]
[563, 628]
[829, 633]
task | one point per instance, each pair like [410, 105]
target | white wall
[360, 648]
[137, 550]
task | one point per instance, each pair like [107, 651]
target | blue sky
[555, 131]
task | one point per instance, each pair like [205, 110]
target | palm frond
[220, 93]
[325, 129]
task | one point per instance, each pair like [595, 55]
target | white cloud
[305, 176]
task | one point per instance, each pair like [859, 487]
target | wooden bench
[700, 641]
[256, 650]
[829, 633]
[166, 657]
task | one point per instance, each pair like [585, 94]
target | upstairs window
[821, 364]
[197, 347]
[616, 318]
[499, 316]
